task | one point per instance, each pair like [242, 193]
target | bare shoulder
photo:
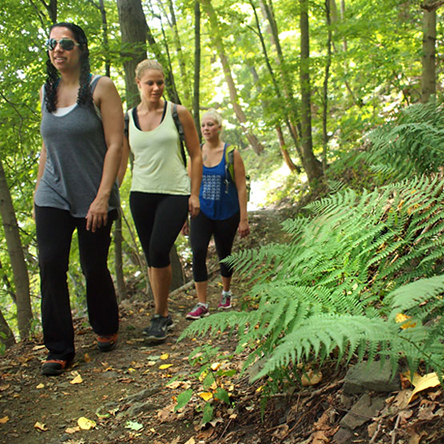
[105, 84]
[183, 113]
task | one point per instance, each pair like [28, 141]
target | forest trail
[121, 390]
[129, 394]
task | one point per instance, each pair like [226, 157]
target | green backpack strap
[181, 132]
[229, 162]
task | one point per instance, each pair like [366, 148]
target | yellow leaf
[215, 366]
[164, 356]
[86, 357]
[131, 370]
[85, 423]
[40, 426]
[72, 430]
[423, 383]
[4, 420]
[259, 389]
[206, 396]
[164, 366]
[191, 441]
[401, 317]
[77, 380]
[40, 386]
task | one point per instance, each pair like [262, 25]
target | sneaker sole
[224, 308]
[196, 317]
[156, 340]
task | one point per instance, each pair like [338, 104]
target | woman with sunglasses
[82, 131]
[161, 192]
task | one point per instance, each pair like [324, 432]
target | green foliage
[354, 263]
[411, 144]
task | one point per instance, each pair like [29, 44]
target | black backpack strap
[181, 132]
[126, 124]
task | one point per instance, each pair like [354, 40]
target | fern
[352, 264]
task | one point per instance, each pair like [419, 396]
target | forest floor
[129, 394]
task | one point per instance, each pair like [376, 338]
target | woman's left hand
[97, 216]
[193, 205]
[243, 229]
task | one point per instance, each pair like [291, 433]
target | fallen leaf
[191, 441]
[164, 356]
[40, 386]
[132, 425]
[4, 420]
[40, 426]
[72, 430]
[39, 347]
[215, 366]
[77, 380]
[401, 318]
[85, 423]
[86, 357]
[165, 366]
[4, 387]
[310, 378]
[423, 383]
[206, 396]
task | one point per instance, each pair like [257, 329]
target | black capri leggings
[224, 232]
[158, 219]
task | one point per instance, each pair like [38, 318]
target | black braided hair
[84, 96]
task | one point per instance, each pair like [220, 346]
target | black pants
[224, 231]
[55, 228]
[158, 219]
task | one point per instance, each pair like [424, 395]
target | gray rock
[342, 436]
[376, 376]
[364, 410]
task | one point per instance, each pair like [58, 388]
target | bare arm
[124, 161]
[194, 151]
[241, 186]
[108, 100]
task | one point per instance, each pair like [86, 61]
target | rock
[364, 410]
[342, 436]
[375, 376]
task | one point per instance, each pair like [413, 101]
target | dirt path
[122, 390]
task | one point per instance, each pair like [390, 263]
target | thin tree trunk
[197, 57]
[218, 43]
[17, 258]
[6, 334]
[134, 30]
[311, 165]
[428, 76]
[325, 137]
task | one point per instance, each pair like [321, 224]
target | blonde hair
[148, 64]
[214, 115]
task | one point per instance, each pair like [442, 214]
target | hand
[97, 214]
[185, 229]
[243, 229]
[193, 205]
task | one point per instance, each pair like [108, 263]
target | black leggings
[224, 231]
[158, 219]
[55, 228]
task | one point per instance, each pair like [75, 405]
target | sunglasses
[65, 43]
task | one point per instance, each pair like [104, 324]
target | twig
[394, 430]
[375, 434]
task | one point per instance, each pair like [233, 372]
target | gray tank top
[76, 148]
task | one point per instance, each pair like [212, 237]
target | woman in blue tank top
[223, 212]
[82, 131]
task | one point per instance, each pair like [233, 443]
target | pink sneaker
[199, 311]
[225, 302]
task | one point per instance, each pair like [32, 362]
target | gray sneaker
[157, 331]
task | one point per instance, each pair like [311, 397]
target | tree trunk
[6, 335]
[178, 273]
[134, 30]
[197, 56]
[325, 137]
[218, 43]
[118, 259]
[312, 166]
[17, 258]
[428, 75]
[284, 151]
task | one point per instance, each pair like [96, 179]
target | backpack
[181, 132]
